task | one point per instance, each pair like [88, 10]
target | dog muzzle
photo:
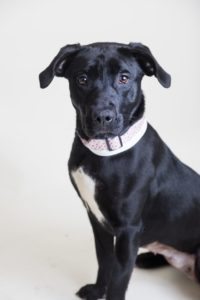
[118, 144]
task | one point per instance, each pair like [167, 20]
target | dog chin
[105, 135]
[102, 134]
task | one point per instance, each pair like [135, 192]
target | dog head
[105, 84]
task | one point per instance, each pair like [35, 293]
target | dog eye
[123, 79]
[82, 79]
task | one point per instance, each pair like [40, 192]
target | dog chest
[86, 186]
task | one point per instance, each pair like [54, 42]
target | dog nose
[104, 117]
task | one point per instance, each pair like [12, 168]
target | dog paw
[90, 292]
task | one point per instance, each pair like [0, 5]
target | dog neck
[118, 144]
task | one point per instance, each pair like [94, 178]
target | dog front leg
[126, 249]
[104, 251]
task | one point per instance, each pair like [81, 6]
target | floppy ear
[149, 64]
[58, 64]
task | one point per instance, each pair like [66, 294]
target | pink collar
[118, 144]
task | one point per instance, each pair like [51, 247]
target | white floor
[51, 263]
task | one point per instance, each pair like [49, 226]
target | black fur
[150, 260]
[146, 194]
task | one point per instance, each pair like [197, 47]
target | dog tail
[150, 260]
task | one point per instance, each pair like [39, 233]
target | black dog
[136, 192]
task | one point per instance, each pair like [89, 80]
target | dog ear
[149, 64]
[58, 65]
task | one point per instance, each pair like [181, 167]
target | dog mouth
[103, 131]
[106, 134]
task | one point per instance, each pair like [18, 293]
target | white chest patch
[180, 260]
[86, 187]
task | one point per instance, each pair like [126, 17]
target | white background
[46, 245]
